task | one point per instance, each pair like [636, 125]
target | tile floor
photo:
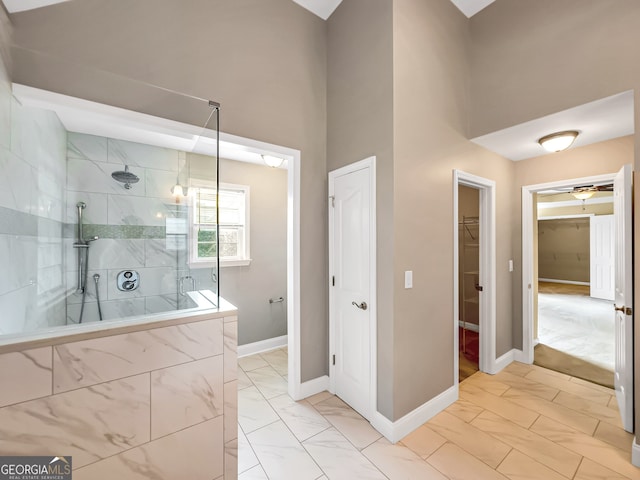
[524, 423]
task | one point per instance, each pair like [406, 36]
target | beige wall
[516, 81]
[160, 399]
[563, 249]
[431, 101]
[359, 125]
[250, 288]
[263, 60]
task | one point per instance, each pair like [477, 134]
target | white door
[350, 229]
[602, 261]
[622, 190]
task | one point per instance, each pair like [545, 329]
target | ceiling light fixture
[556, 142]
[272, 161]
[178, 190]
[584, 195]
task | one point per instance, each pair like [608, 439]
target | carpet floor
[576, 333]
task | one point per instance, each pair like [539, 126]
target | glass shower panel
[92, 220]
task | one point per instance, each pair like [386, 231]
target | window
[234, 225]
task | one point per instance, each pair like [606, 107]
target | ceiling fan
[583, 192]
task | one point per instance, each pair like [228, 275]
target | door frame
[527, 251]
[487, 276]
[369, 163]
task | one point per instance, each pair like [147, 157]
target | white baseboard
[519, 356]
[536, 341]
[469, 326]
[396, 431]
[262, 346]
[309, 388]
[635, 453]
[509, 357]
[566, 282]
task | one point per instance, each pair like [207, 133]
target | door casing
[527, 252]
[369, 163]
[487, 276]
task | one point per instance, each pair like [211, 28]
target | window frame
[239, 261]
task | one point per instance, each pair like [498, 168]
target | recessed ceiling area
[322, 8]
[604, 119]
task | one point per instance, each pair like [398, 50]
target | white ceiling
[322, 8]
[597, 121]
[21, 5]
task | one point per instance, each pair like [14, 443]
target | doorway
[352, 293]
[468, 281]
[474, 274]
[623, 317]
[573, 330]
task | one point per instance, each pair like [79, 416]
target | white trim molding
[527, 251]
[635, 453]
[396, 431]
[564, 282]
[262, 346]
[311, 387]
[487, 327]
[368, 163]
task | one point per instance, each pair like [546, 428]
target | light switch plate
[408, 279]
[511, 265]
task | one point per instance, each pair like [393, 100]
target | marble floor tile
[303, 420]
[243, 380]
[423, 441]
[590, 470]
[278, 359]
[252, 362]
[567, 386]
[268, 381]
[526, 385]
[471, 439]
[488, 383]
[600, 452]
[457, 464]
[498, 405]
[339, 459]
[319, 397]
[615, 436]
[560, 413]
[398, 462]
[554, 456]
[281, 455]
[255, 473]
[246, 457]
[517, 368]
[353, 426]
[584, 405]
[254, 411]
[464, 410]
[519, 466]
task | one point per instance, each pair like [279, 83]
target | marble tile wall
[159, 403]
[141, 228]
[32, 206]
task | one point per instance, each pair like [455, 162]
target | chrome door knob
[361, 306]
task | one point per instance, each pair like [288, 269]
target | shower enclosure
[92, 224]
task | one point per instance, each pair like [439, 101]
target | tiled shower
[44, 172]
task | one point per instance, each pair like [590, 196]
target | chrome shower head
[126, 177]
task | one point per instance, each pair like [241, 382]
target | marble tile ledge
[73, 333]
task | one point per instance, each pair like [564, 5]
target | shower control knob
[128, 280]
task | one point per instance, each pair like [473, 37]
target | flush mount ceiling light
[272, 161]
[556, 142]
[584, 195]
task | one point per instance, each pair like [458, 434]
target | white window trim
[235, 262]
